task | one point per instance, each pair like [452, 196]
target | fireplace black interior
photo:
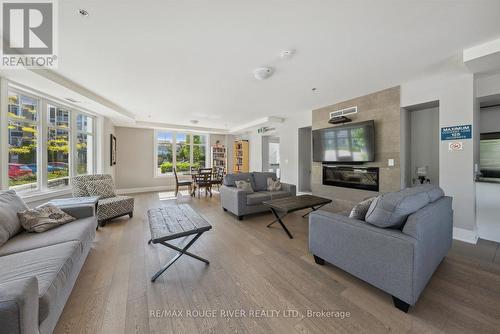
[366, 178]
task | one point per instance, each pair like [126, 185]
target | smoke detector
[262, 73]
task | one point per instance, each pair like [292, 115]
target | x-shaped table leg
[181, 252]
[313, 209]
[278, 219]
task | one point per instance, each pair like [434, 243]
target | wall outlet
[390, 162]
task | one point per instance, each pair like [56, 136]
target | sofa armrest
[80, 211]
[291, 188]
[19, 306]
[432, 227]
[381, 257]
[233, 199]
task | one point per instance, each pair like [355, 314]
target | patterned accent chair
[107, 208]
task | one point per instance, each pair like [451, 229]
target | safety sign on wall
[456, 132]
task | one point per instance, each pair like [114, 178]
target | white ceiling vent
[344, 112]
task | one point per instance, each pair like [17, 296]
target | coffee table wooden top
[175, 221]
[294, 203]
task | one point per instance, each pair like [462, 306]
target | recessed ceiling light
[83, 12]
[287, 54]
[194, 121]
[314, 89]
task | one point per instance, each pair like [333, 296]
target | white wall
[487, 85]
[255, 150]
[105, 128]
[455, 93]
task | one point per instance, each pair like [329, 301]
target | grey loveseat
[38, 271]
[399, 260]
[240, 203]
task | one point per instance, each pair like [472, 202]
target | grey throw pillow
[245, 185]
[392, 209]
[101, 188]
[10, 205]
[44, 218]
[273, 184]
[359, 210]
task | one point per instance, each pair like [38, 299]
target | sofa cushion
[433, 191]
[230, 178]
[260, 180]
[82, 230]
[10, 205]
[44, 218]
[392, 209]
[258, 197]
[52, 267]
[278, 194]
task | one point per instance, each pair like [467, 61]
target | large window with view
[47, 143]
[183, 150]
[23, 127]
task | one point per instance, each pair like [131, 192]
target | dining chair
[218, 176]
[182, 183]
[203, 180]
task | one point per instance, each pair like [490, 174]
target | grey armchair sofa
[107, 208]
[399, 261]
[39, 270]
[240, 203]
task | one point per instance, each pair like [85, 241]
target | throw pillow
[359, 210]
[101, 188]
[44, 218]
[10, 205]
[245, 185]
[273, 184]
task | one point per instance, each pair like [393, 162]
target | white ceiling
[175, 61]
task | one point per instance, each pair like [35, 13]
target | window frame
[42, 139]
[157, 174]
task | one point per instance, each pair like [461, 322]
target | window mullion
[42, 141]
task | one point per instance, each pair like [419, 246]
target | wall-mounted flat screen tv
[353, 142]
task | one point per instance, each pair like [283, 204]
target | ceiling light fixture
[83, 12]
[194, 121]
[262, 73]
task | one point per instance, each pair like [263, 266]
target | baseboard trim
[465, 235]
[144, 189]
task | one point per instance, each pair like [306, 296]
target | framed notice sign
[456, 132]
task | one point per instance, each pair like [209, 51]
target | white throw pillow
[273, 184]
[359, 210]
[44, 218]
[245, 185]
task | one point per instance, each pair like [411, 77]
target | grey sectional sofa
[38, 271]
[240, 203]
[399, 260]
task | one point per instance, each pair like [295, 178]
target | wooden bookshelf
[241, 155]
[218, 156]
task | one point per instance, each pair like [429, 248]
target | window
[165, 160]
[190, 152]
[58, 146]
[84, 144]
[199, 151]
[23, 139]
[47, 143]
[183, 152]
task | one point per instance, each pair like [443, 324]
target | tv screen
[354, 142]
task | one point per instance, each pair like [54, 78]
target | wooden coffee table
[294, 203]
[172, 222]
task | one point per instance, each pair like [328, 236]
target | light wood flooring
[255, 268]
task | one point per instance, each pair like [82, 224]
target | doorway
[420, 144]
[305, 159]
[271, 154]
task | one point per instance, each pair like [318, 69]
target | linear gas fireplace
[351, 177]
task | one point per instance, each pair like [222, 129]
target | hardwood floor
[254, 269]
